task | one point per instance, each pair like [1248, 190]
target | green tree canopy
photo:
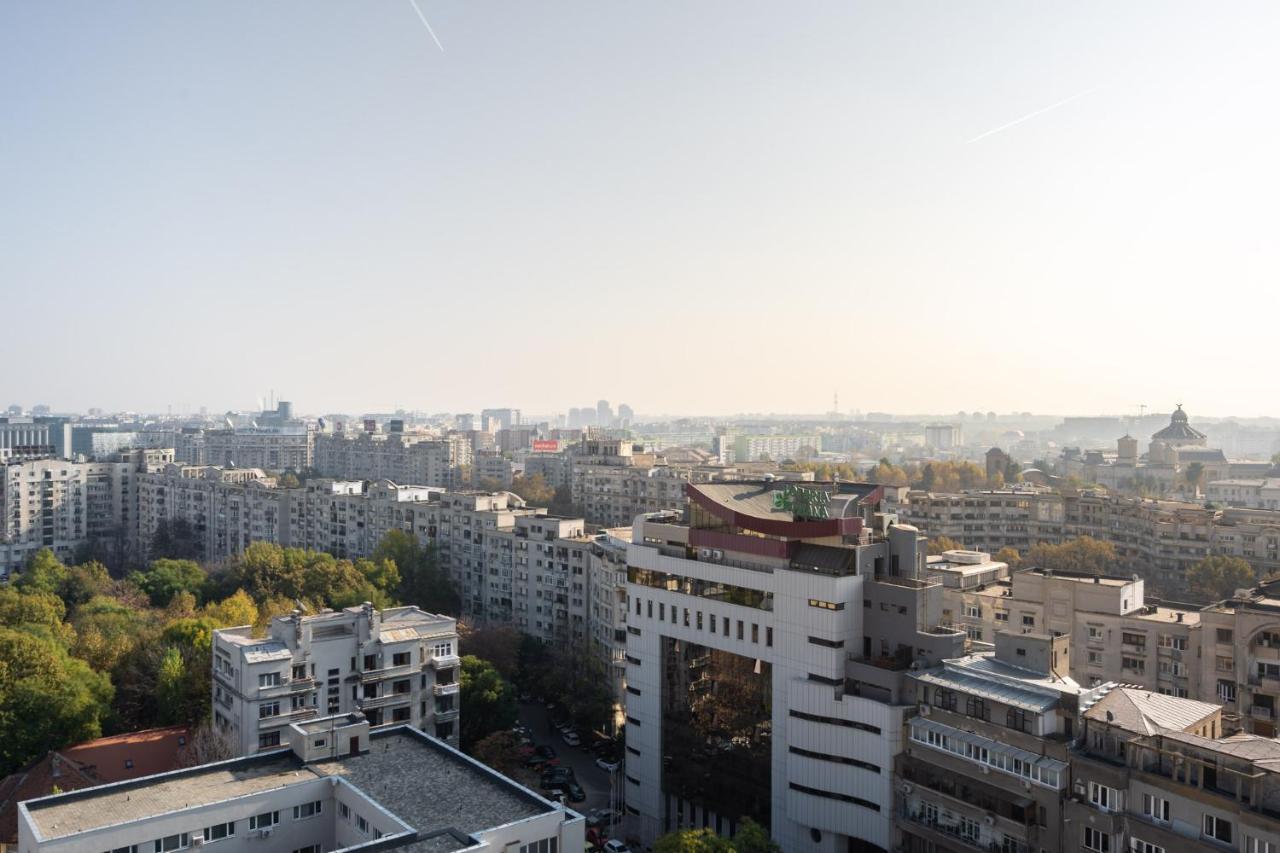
[751, 837]
[1217, 577]
[43, 573]
[1010, 556]
[1084, 554]
[535, 489]
[48, 699]
[489, 700]
[940, 544]
[164, 577]
[421, 580]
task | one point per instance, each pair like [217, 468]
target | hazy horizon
[711, 207]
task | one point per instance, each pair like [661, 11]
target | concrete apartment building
[1240, 657]
[287, 447]
[25, 438]
[1115, 634]
[1260, 493]
[985, 762]
[1161, 539]
[335, 785]
[395, 667]
[405, 458]
[607, 605]
[1155, 774]
[756, 448]
[225, 508]
[803, 608]
[62, 505]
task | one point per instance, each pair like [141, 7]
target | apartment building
[397, 666]
[607, 605]
[348, 519]
[62, 505]
[1115, 634]
[226, 509]
[769, 632]
[985, 763]
[419, 459]
[1240, 657]
[756, 448]
[336, 784]
[490, 466]
[1160, 539]
[286, 447]
[1259, 493]
[1155, 774]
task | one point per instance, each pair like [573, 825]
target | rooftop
[439, 792]
[1146, 712]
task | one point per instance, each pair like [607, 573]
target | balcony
[382, 701]
[287, 688]
[402, 671]
[1261, 712]
[949, 833]
[449, 714]
[440, 662]
[445, 689]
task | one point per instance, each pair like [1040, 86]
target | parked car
[537, 760]
[575, 793]
[608, 763]
[604, 818]
[613, 845]
[546, 750]
[557, 774]
[571, 738]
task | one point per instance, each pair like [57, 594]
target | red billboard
[542, 445]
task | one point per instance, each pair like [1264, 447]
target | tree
[107, 631]
[1194, 475]
[204, 746]
[534, 490]
[174, 540]
[562, 502]
[499, 646]
[233, 611]
[48, 699]
[886, 473]
[489, 700]
[501, 751]
[43, 573]
[939, 544]
[751, 837]
[421, 580]
[1084, 554]
[1217, 577]
[1010, 556]
[165, 577]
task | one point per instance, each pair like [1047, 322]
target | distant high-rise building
[625, 415]
[496, 419]
[604, 413]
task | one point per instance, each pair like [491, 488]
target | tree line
[83, 654]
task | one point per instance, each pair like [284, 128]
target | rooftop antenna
[1142, 411]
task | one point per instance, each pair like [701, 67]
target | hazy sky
[702, 207]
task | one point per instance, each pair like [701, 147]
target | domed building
[1179, 433]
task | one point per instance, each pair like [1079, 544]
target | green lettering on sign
[801, 502]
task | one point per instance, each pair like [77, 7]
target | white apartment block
[807, 607]
[334, 785]
[349, 519]
[607, 604]
[404, 458]
[397, 666]
[226, 508]
[755, 448]
[273, 448]
[62, 505]
[1262, 493]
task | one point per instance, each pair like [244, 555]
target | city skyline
[220, 191]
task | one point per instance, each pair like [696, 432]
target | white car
[571, 738]
[613, 845]
[608, 766]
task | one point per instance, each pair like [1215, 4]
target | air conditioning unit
[906, 788]
[265, 832]
[989, 820]
[197, 840]
[925, 710]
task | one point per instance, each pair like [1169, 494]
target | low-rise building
[335, 785]
[395, 666]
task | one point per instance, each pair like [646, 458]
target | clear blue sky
[701, 207]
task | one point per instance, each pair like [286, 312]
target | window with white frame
[1137, 845]
[1096, 840]
[1217, 829]
[173, 842]
[307, 810]
[1095, 633]
[442, 650]
[219, 831]
[973, 611]
[1107, 799]
[266, 820]
[269, 679]
[1156, 808]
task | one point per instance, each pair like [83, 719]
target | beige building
[420, 459]
[334, 785]
[1240, 660]
[225, 508]
[395, 666]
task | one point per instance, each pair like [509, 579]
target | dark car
[546, 750]
[575, 792]
[558, 775]
[535, 761]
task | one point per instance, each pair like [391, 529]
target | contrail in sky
[423, 18]
[1031, 115]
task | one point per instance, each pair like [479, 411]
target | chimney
[1179, 617]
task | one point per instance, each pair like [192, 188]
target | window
[344, 810]
[1095, 658]
[1095, 633]
[1169, 641]
[1256, 845]
[268, 739]
[1224, 635]
[973, 611]
[1029, 621]
[269, 679]
[400, 659]
[973, 632]
[219, 831]
[1137, 845]
[362, 824]
[173, 842]
[1217, 829]
[944, 698]
[831, 644]
[1096, 840]
[1227, 690]
[1002, 616]
[266, 820]
[307, 810]
[1133, 664]
[975, 707]
[310, 848]
[268, 709]
[1019, 719]
[546, 845]
[1107, 799]
[1138, 640]
[826, 605]
[1225, 663]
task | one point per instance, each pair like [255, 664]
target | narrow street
[594, 781]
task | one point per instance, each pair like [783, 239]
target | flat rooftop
[439, 792]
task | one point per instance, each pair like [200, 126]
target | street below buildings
[596, 783]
